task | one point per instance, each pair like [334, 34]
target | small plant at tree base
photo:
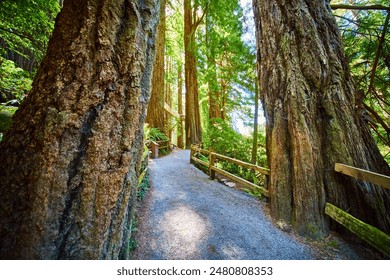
[143, 188]
[132, 244]
[253, 192]
[132, 241]
[313, 231]
[154, 134]
[334, 244]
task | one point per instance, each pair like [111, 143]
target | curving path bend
[187, 216]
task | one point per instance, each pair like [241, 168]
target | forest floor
[187, 216]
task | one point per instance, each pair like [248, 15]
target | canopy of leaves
[367, 46]
[226, 64]
[26, 26]
[233, 60]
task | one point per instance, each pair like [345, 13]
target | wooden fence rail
[375, 178]
[366, 232]
[212, 168]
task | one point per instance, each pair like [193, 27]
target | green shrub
[154, 134]
[14, 82]
[6, 113]
[226, 141]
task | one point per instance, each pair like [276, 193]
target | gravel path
[187, 216]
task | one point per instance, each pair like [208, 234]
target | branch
[197, 22]
[382, 39]
[358, 7]
[348, 19]
[377, 117]
[23, 36]
[380, 136]
[17, 33]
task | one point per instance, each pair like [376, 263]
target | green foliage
[362, 33]
[174, 30]
[227, 61]
[226, 141]
[143, 188]
[6, 113]
[14, 82]
[253, 192]
[203, 158]
[385, 151]
[133, 244]
[154, 134]
[26, 26]
[334, 244]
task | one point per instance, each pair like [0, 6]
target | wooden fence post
[192, 154]
[211, 171]
[154, 148]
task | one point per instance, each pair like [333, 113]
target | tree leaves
[26, 26]
[367, 47]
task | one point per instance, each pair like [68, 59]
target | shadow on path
[187, 216]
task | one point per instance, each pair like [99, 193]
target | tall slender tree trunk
[255, 125]
[156, 114]
[224, 94]
[192, 118]
[214, 98]
[69, 164]
[214, 102]
[168, 100]
[180, 138]
[309, 102]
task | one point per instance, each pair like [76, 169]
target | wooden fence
[155, 146]
[211, 165]
[366, 232]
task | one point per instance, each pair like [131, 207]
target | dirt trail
[188, 216]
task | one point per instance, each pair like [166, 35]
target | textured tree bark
[192, 118]
[180, 138]
[156, 114]
[70, 162]
[310, 106]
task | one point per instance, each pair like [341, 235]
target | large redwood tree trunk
[312, 121]
[192, 115]
[155, 116]
[70, 162]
